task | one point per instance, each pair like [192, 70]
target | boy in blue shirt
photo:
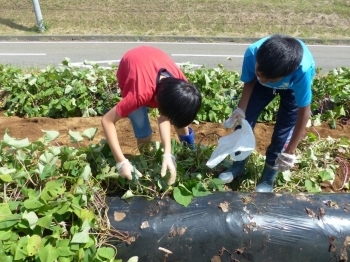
[275, 65]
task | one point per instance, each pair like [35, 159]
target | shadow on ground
[11, 24]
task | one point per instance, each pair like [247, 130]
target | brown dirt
[206, 133]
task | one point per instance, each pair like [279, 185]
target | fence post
[39, 17]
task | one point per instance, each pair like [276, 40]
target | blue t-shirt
[299, 81]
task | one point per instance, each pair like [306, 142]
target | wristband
[119, 165]
[169, 155]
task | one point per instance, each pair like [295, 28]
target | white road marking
[20, 54]
[205, 55]
[166, 43]
[82, 64]
[99, 62]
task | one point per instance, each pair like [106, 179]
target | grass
[226, 18]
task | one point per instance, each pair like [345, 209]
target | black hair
[178, 100]
[279, 56]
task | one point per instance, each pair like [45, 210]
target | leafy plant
[72, 92]
[59, 92]
[51, 202]
[331, 95]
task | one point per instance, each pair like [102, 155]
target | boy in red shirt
[148, 77]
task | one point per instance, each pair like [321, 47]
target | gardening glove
[238, 114]
[126, 170]
[285, 161]
[169, 164]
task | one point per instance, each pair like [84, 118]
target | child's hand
[236, 115]
[285, 161]
[125, 169]
[169, 164]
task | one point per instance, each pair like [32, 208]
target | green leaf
[286, 175]
[52, 190]
[327, 175]
[7, 219]
[66, 62]
[200, 190]
[75, 136]
[21, 249]
[127, 194]
[85, 214]
[32, 204]
[48, 253]
[64, 252]
[68, 89]
[83, 236]
[133, 259]
[34, 243]
[80, 237]
[182, 196]
[92, 112]
[311, 188]
[50, 135]
[5, 235]
[6, 178]
[86, 173]
[90, 133]
[45, 221]
[32, 81]
[106, 252]
[7, 171]
[333, 124]
[310, 154]
[14, 142]
[48, 158]
[218, 184]
[31, 217]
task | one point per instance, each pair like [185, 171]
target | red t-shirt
[137, 76]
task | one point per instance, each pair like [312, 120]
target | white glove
[169, 164]
[285, 161]
[236, 115]
[126, 170]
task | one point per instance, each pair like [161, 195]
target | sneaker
[234, 171]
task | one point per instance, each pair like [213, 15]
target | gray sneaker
[234, 171]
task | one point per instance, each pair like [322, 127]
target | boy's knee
[145, 140]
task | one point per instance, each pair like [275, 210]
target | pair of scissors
[135, 178]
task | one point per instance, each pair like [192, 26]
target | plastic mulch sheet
[233, 226]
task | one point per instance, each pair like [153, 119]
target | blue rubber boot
[236, 170]
[189, 139]
[267, 180]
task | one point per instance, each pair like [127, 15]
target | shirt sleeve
[302, 87]
[248, 67]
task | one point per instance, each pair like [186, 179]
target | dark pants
[286, 116]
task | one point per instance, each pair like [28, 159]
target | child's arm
[168, 158]
[247, 91]
[299, 129]
[108, 124]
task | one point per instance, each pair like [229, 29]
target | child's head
[278, 57]
[178, 100]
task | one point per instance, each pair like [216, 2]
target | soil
[206, 133]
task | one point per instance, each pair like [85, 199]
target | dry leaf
[165, 250]
[310, 212]
[119, 216]
[215, 259]
[144, 225]
[181, 230]
[224, 206]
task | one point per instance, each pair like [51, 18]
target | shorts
[140, 122]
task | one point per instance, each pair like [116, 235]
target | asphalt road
[41, 54]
